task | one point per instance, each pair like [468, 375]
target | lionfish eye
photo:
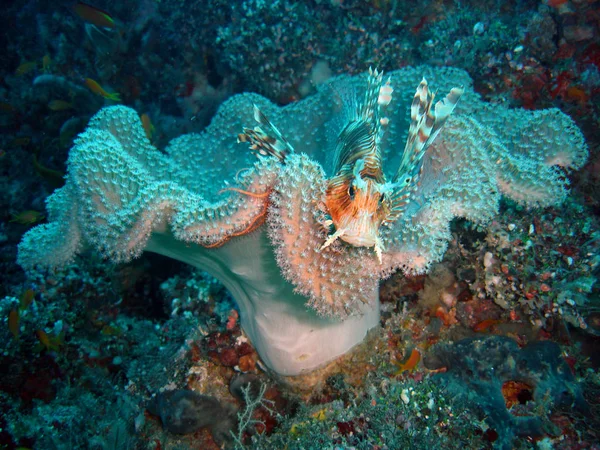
[382, 198]
[351, 192]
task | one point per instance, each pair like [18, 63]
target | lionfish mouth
[357, 240]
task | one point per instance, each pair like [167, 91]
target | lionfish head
[357, 207]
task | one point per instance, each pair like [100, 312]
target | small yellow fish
[50, 342]
[485, 325]
[43, 337]
[98, 90]
[46, 63]
[55, 178]
[25, 68]
[13, 322]
[410, 363]
[28, 217]
[147, 124]
[26, 299]
[109, 330]
[59, 105]
[6, 107]
[93, 15]
[298, 428]
[19, 142]
[320, 415]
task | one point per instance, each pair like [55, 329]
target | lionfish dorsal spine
[265, 139]
[360, 139]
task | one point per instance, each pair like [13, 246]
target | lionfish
[358, 198]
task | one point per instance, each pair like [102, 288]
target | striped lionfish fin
[425, 125]
[266, 139]
[360, 139]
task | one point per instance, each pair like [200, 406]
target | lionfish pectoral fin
[443, 110]
[399, 201]
[425, 125]
[266, 139]
[421, 124]
[332, 238]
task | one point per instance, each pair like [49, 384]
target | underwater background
[496, 346]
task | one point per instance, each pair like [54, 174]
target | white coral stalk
[289, 337]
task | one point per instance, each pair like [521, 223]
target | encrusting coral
[264, 227]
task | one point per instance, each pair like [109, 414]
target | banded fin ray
[360, 138]
[266, 139]
[424, 127]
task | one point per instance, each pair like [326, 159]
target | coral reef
[123, 197]
[542, 266]
[391, 414]
[479, 369]
[88, 346]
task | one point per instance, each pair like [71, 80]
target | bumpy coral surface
[122, 194]
[121, 189]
